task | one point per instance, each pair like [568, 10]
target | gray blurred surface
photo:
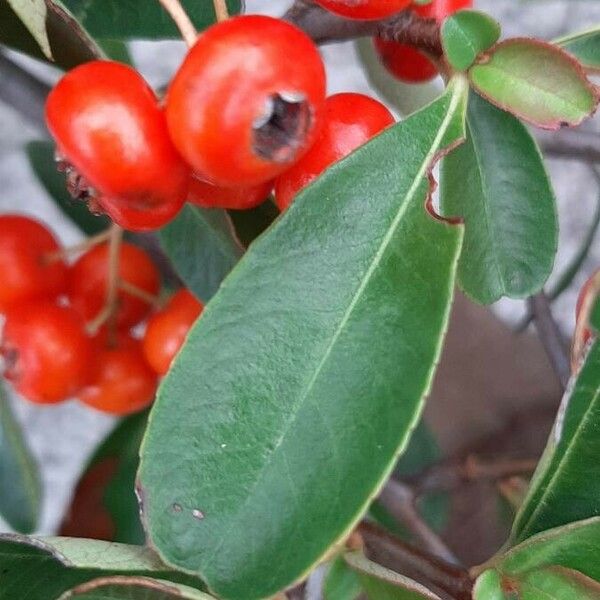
[62, 437]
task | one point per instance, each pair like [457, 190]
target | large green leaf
[549, 583]
[497, 181]
[44, 568]
[313, 359]
[48, 24]
[585, 46]
[566, 486]
[203, 248]
[382, 584]
[140, 18]
[104, 505]
[133, 588]
[536, 81]
[466, 34]
[20, 490]
[41, 159]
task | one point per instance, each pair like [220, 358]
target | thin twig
[449, 475]
[550, 336]
[403, 557]
[76, 248]
[182, 20]
[221, 10]
[108, 312]
[137, 292]
[400, 501]
[573, 144]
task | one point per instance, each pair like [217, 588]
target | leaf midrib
[454, 102]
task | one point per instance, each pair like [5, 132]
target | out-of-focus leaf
[585, 45]
[203, 248]
[535, 81]
[498, 183]
[341, 582]
[44, 568]
[566, 485]
[104, 505]
[249, 224]
[63, 38]
[41, 159]
[116, 19]
[20, 490]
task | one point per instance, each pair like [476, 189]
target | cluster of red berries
[245, 115]
[54, 346]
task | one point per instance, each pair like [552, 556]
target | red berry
[207, 195]
[28, 263]
[108, 125]
[364, 9]
[350, 121]
[46, 351]
[440, 9]
[405, 62]
[122, 382]
[168, 328]
[87, 283]
[247, 101]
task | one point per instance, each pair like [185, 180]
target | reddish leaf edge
[558, 51]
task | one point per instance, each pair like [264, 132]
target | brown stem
[550, 336]
[86, 244]
[137, 292]
[400, 501]
[182, 20]
[402, 557]
[221, 10]
[109, 311]
[405, 27]
[450, 475]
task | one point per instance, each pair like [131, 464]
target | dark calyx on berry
[282, 129]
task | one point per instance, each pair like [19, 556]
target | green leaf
[382, 584]
[498, 183]
[41, 160]
[105, 493]
[585, 46]
[313, 358]
[249, 224]
[20, 489]
[466, 34]
[59, 33]
[32, 14]
[133, 588]
[341, 582]
[566, 485]
[550, 583]
[44, 568]
[573, 546]
[203, 248]
[140, 18]
[536, 81]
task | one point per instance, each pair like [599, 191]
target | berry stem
[109, 311]
[221, 10]
[137, 292]
[86, 244]
[182, 20]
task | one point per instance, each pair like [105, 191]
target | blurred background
[495, 392]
